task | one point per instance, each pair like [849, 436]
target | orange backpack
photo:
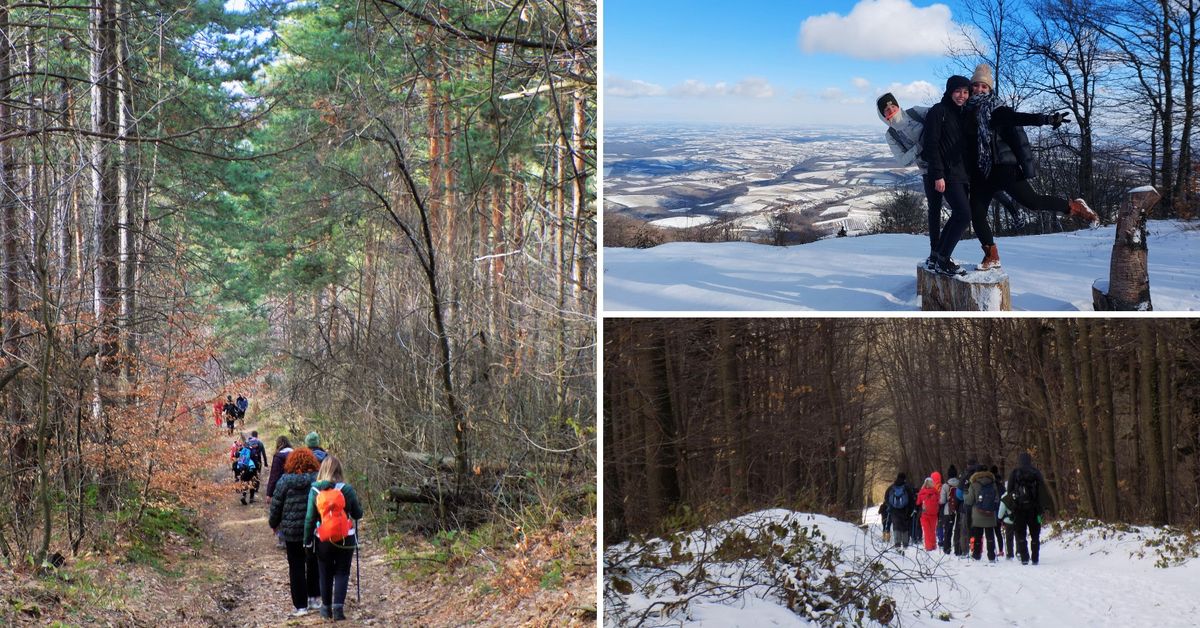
[331, 505]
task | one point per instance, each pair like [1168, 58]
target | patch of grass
[157, 526]
[553, 578]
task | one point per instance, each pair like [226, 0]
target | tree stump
[979, 291]
[1128, 286]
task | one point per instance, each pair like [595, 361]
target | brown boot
[991, 258]
[1080, 209]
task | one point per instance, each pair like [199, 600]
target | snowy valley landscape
[686, 176]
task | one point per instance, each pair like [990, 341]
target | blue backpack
[988, 501]
[898, 498]
[245, 462]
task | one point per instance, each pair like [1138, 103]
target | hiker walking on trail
[927, 499]
[242, 404]
[999, 157]
[1030, 501]
[218, 410]
[901, 500]
[999, 519]
[289, 507]
[313, 442]
[984, 499]
[333, 509]
[949, 500]
[230, 412]
[283, 447]
[246, 466]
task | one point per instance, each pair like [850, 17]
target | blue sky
[811, 62]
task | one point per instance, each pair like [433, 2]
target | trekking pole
[357, 563]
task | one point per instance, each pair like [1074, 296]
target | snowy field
[1052, 272]
[1093, 578]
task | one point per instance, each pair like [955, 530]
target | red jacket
[927, 499]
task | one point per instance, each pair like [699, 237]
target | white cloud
[625, 88]
[884, 29]
[754, 87]
[749, 87]
[914, 93]
[832, 94]
[860, 82]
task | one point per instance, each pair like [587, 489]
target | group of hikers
[969, 149]
[313, 513]
[231, 410]
[966, 510]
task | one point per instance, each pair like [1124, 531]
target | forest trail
[239, 578]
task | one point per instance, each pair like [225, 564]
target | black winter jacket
[1010, 145]
[290, 505]
[943, 149]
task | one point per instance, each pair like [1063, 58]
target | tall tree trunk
[1151, 431]
[1107, 416]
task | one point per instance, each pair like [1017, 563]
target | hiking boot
[299, 612]
[1080, 209]
[326, 613]
[314, 603]
[946, 266]
[243, 500]
[338, 615]
[991, 258]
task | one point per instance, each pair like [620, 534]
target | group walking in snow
[970, 511]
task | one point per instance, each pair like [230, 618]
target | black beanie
[955, 82]
[883, 101]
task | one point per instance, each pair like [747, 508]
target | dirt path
[239, 578]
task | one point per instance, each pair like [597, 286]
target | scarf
[983, 105]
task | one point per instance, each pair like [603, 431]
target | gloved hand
[1057, 119]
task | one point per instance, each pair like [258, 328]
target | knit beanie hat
[983, 74]
[312, 440]
[955, 82]
[884, 101]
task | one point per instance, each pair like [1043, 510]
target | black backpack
[1025, 495]
[988, 501]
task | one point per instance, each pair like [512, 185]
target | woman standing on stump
[999, 157]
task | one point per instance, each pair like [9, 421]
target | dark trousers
[1007, 178]
[977, 535]
[901, 530]
[1009, 548]
[1027, 522]
[302, 574]
[334, 564]
[934, 198]
[251, 480]
[964, 532]
[960, 217]
[999, 538]
[950, 533]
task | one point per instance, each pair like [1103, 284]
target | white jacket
[904, 136]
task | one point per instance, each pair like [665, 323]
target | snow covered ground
[1052, 272]
[1098, 577]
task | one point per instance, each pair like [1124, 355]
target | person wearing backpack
[948, 503]
[287, 515]
[927, 501]
[901, 500]
[984, 499]
[246, 469]
[230, 412]
[329, 527]
[313, 442]
[1030, 502]
[242, 405]
[999, 520]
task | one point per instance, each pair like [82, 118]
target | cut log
[408, 495]
[978, 291]
[1128, 286]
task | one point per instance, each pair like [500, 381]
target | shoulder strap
[916, 115]
[904, 144]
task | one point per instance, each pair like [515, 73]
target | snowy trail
[1084, 579]
[1052, 272]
